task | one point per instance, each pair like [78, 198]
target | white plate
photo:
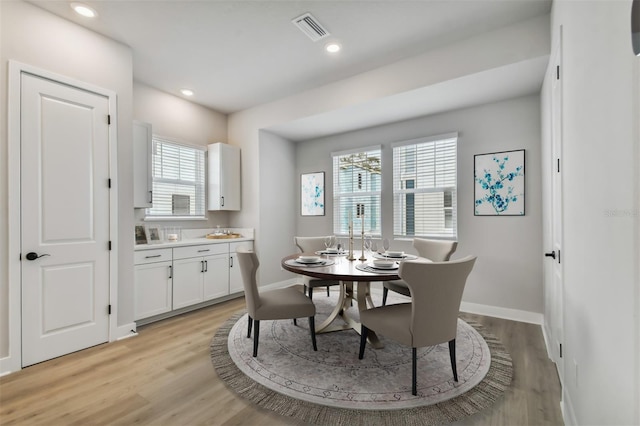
[308, 259]
[394, 254]
[392, 266]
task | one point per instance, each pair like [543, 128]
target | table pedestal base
[363, 299]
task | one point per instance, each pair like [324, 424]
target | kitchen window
[178, 180]
[425, 187]
[357, 186]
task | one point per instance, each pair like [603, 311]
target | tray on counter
[222, 236]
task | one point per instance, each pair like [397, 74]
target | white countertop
[194, 237]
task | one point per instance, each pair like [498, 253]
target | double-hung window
[357, 181]
[178, 180]
[425, 186]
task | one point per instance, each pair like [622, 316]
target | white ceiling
[238, 54]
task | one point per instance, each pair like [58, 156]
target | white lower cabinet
[152, 277]
[170, 279]
[235, 277]
[200, 273]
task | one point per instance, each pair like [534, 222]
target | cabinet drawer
[247, 245]
[151, 256]
[200, 250]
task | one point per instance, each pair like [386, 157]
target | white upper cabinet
[142, 183]
[224, 177]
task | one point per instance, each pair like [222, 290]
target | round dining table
[349, 273]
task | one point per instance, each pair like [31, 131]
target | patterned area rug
[333, 386]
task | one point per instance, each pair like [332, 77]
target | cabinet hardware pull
[150, 257]
[222, 200]
[170, 271]
[231, 262]
[201, 251]
[206, 266]
[202, 266]
[151, 197]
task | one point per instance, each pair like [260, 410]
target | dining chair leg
[256, 336]
[385, 292]
[414, 371]
[310, 292]
[452, 355]
[295, 321]
[312, 327]
[327, 291]
[249, 323]
[363, 340]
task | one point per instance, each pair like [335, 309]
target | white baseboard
[124, 332]
[9, 365]
[504, 313]
[568, 415]
[472, 308]
[547, 343]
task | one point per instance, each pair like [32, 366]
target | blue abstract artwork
[499, 183]
[312, 194]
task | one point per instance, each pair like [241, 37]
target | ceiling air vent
[311, 27]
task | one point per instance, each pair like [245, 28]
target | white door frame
[13, 360]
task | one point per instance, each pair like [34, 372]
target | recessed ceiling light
[84, 10]
[333, 47]
[186, 92]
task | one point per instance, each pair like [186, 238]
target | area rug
[332, 386]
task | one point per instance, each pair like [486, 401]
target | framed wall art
[499, 183]
[312, 194]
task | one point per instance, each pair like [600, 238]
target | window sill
[172, 218]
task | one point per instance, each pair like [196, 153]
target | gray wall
[278, 211]
[601, 211]
[34, 37]
[508, 272]
[176, 118]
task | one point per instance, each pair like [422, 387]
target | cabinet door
[142, 180]
[235, 277]
[152, 289]
[216, 276]
[187, 282]
[224, 177]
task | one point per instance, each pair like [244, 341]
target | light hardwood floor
[164, 376]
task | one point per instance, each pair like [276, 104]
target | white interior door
[557, 311]
[64, 218]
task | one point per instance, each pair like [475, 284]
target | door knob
[33, 255]
[551, 255]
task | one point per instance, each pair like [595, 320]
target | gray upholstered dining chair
[434, 250]
[312, 245]
[431, 317]
[282, 303]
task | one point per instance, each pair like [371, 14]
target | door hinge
[109, 119]
[557, 72]
[560, 350]
[109, 245]
[109, 309]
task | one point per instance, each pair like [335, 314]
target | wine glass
[367, 243]
[385, 244]
[328, 242]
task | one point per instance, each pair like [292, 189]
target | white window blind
[178, 180]
[425, 186]
[356, 188]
